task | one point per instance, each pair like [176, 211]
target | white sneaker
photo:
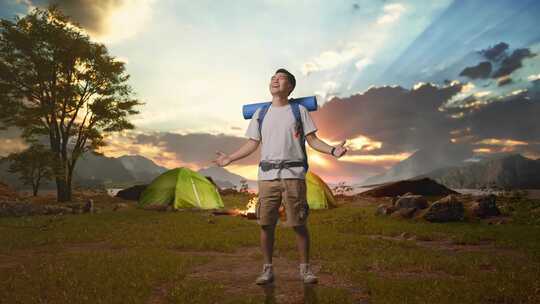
[267, 275]
[307, 275]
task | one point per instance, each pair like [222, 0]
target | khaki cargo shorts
[291, 192]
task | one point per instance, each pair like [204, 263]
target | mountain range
[512, 171]
[226, 179]
[94, 170]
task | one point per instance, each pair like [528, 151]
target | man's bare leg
[302, 243]
[267, 242]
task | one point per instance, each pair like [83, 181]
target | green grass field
[138, 256]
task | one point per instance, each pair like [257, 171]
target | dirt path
[237, 271]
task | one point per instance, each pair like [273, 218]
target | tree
[342, 188]
[56, 83]
[243, 185]
[33, 166]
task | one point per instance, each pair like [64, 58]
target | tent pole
[195, 191]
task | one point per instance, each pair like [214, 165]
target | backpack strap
[260, 118]
[300, 129]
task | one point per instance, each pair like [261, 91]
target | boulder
[89, 206]
[131, 193]
[485, 206]
[7, 193]
[422, 186]
[120, 206]
[412, 201]
[447, 209]
[404, 213]
[8, 209]
[383, 209]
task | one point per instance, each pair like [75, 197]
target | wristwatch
[332, 152]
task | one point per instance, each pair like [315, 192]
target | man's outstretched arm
[249, 147]
[319, 145]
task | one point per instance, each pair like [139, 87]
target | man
[281, 175]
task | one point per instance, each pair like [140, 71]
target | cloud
[362, 63]
[105, 20]
[533, 77]
[512, 117]
[481, 70]
[392, 12]
[496, 52]
[402, 120]
[513, 62]
[504, 81]
[331, 59]
[329, 90]
[11, 142]
[197, 149]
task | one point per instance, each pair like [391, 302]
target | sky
[391, 77]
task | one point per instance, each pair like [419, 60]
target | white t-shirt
[279, 141]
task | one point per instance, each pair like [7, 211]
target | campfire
[249, 211]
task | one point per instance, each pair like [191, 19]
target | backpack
[295, 107]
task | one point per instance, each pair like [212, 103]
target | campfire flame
[249, 212]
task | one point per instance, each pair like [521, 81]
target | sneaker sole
[265, 282]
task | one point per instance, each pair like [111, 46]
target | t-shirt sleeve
[253, 128]
[307, 121]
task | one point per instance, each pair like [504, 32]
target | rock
[447, 209]
[131, 193]
[7, 193]
[27, 209]
[119, 206]
[89, 206]
[404, 235]
[54, 209]
[404, 213]
[421, 186]
[485, 206]
[412, 201]
[383, 209]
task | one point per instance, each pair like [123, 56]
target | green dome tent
[319, 195]
[182, 188]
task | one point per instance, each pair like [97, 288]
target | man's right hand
[222, 159]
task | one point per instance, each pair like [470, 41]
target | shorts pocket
[258, 209]
[302, 210]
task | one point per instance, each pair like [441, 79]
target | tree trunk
[35, 186]
[61, 190]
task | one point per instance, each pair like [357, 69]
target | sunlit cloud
[481, 94]
[248, 171]
[316, 159]
[332, 58]
[329, 90]
[126, 21]
[119, 144]
[501, 142]
[375, 159]
[482, 150]
[534, 77]
[106, 21]
[360, 143]
[392, 12]
[466, 88]
[11, 145]
[362, 63]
